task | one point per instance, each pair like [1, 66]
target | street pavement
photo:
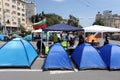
[36, 73]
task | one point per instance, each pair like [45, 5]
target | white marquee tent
[38, 30]
[98, 28]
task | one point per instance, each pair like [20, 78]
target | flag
[40, 24]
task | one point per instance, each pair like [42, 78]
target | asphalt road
[36, 73]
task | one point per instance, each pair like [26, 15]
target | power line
[89, 4]
[92, 3]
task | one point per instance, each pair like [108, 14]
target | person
[41, 52]
[71, 42]
[81, 39]
[55, 38]
[93, 43]
[106, 40]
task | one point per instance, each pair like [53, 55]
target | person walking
[40, 49]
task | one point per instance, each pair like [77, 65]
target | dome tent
[111, 54]
[17, 53]
[87, 57]
[90, 38]
[57, 58]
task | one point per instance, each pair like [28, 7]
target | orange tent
[90, 38]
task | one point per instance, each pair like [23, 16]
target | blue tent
[1, 25]
[18, 36]
[87, 57]
[2, 36]
[111, 55]
[57, 58]
[62, 27]
[28, 37]
[17, 53]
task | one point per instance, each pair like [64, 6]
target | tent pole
[84, 36]
[41, 41]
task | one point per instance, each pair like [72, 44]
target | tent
[111, 55]
[57, 58]
[17, 53]
[2, 36]
[1, 25]
[28, 37]
[90, 38]
[87, 57]
[98, 28]
[38, 30]
[62, 27]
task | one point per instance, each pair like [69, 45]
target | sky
[85, 10]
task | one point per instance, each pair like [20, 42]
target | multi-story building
[109, 19]
[12, 14]
[30, 11]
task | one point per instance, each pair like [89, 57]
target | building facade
[12, 14]
[109, 19]
[30, 11]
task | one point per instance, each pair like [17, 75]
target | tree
[32, 19]
[73, 21]
[51, 19]
[98, 22]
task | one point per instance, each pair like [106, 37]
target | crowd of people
[67, 38]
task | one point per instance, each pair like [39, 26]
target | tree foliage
[73, 21]
[98, 22]
[51, 19]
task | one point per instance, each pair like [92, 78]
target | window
[14, 12]
[6, 4]
[14, 23]
[14, 1]
[19, 20]
[23, 14]
[0, 17]
[23, 10]
[13, 6]
[18, 8]
[18, 14]
[23, 5]
[7, 11]
[7, 16]
[18, 3]
[23, 19]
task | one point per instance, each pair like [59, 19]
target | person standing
[40, 48]
[55, 38]
[81, 39]
[106, 40]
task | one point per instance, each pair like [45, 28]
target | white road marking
[59, 72]
[22, 70]
[76, 70]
